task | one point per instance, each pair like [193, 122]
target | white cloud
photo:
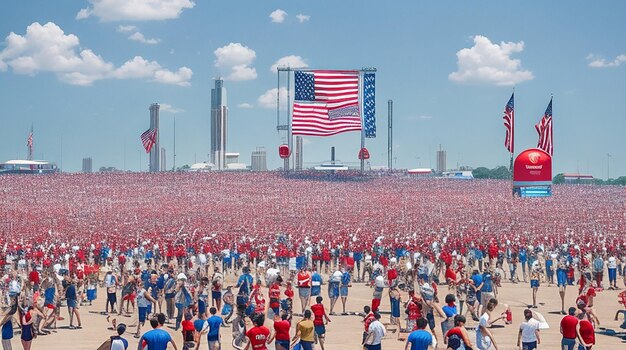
[137, 36]
[236, 61]
[268, 99]
[48, 49]
[419, 118]
[278, 16]
[134, 10]
[303, 18]
[289, 61]
[597, 62]
[245, 105]
[490, 63]
[164, 107]
[126, 29]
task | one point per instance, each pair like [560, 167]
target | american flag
[326, 103]
[544, 129]
[29, 144]
[369, 104]
[148, 138]
[509, 124]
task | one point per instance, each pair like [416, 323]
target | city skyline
[449, 69]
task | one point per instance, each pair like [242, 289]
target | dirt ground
[344, 332]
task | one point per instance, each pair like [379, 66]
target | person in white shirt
[528, 335]
[375, 334]
[484, 338]
[612, 268]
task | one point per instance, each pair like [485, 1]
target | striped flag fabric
[509, 124]
[148, 139]
[326, 102]
[369, 104]
[544, 129]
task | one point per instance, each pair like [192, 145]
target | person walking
[375, 334]
[304, 332]
[569, 325]
[157, 338]
[420, 339]
[528, 336]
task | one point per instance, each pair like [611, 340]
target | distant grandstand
[18, 166]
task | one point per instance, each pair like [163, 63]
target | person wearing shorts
[144, 303]
[561, 281]
[346, 278]
[304, 287]
[318, 322]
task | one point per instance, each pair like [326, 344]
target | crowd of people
[163, 247]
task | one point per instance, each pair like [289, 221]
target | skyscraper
[87, 165]
[156, 148]
[219, 119]
[441, 160]
[259, 160]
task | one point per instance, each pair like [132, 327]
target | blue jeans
[568, 344]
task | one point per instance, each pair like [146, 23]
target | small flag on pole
[148, 138]
[509, 124]
[369, 104]
[29, 144]
[544, 129]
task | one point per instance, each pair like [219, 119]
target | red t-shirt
[304, 280]
[568, 324]
[319, 312]
[368, 319]
[258, 336]
[455, 331]
[282, 330]
[587, 333]
[33, 276]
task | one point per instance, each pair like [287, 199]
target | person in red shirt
[258, 335]
[281, 332]
[369, 318]
[274, 295]
[304, 287]
[585, 333]
[320, 326]
[34, 278]
[569, 325]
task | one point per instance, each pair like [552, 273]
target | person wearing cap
[117, 342]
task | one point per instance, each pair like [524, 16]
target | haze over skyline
[85, 72]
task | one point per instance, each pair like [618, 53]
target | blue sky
[85, 72]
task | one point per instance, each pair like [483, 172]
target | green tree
[558, 179]
[500, 172]
[481, 173]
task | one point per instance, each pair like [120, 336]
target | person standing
[305, 332]
[26, 321]
[214, 323]
[321, 318]
[612, 268]
[420, 339]
[304, 288]
[561, 281]
[569, 325]
[7, 331]
[535, 276]
[375, 334]
[281, 332]
[144, 300]
[157, 338]
[333, 289]
[72, 303]
[117, 342]
[258, 335]
[528, 336]
[585, 334]
[110, 282]
[346, 279]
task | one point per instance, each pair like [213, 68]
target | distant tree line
[500, 172]
[620, 181]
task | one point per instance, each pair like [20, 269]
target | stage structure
[326, 103]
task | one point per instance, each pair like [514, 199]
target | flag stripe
[544, 129]
[509, 123]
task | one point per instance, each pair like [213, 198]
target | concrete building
[298, 153]
[259, 160]
[219, 125]
[163, 160]
[156, 148]
[87, 165]
[441, 160]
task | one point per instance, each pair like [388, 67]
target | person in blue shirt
[117, 342]
[420, 339]
[450, 310]
[358, 256]
[7, 331]
[245, 281]
[523, 258]
[479, 257]
[212, 326]
[486, 288]
[478, 281]
[157, 339]
[72, 303]
[346, 278]
[316, 283]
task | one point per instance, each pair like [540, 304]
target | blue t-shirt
[119, 343]
[156, 339]
[479, 254]
[478, 279]
[449, 310]
[522, 256]
[487, 283]
[244, 283]
[420, 340]
[316, 288]
[49, 295]
[7, 330]
[345, 279]
[357, 256]
[198, 325]
[215, 322]
[70, 292]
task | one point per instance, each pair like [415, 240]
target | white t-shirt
[528, 330]
[483, 342]
[612, 263]
[379, 332]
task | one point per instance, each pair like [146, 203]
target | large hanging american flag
[326, 103]
[148, 138]
[509, 124]
[544, 129]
